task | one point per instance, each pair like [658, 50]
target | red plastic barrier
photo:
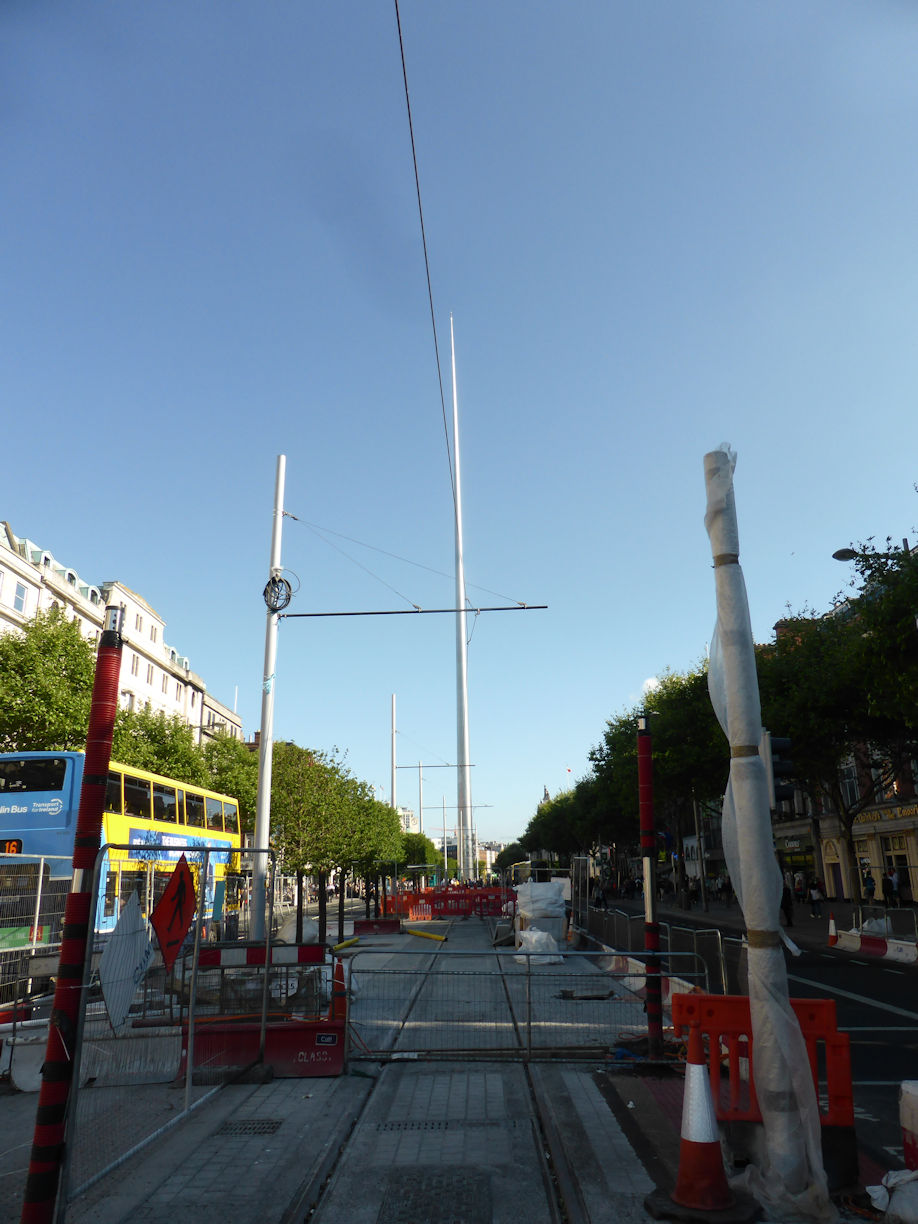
[726, 1021]
[293, 1048]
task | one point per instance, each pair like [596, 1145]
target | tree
[46, 681]
[821, 684]
[511, 854]
[162, 743]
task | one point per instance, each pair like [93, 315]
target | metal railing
[893, 921]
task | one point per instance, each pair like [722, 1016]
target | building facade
[153, 674]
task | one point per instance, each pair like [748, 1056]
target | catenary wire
[417, 184]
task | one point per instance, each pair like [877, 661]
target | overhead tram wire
[322, 532]
[433, 320]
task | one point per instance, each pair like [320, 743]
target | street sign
[174, 911]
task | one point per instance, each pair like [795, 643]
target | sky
[657, 226]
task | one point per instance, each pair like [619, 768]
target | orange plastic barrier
[449, 902]
[726, 1021]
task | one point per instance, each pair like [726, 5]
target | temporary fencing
[496, 1004]
[32, 899]
[450, 903]
[140, 1023]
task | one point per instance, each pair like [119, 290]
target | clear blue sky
[658, 226]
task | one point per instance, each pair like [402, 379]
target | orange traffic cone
[833, 933]
[702, 1180]
[337, 1006]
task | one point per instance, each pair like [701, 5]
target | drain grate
[250, 1126]
[449, 1196]
[445, 1124]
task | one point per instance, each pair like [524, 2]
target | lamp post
[654, 998]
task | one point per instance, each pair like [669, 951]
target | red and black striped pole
[653, 995]
[38, 1205]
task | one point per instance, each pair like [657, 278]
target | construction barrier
[377, 926]
[726, 1021]
[293, 1048]
[450, 903]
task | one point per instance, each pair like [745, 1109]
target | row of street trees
[324, 821]
[843, 686]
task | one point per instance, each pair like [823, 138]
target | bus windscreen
[25, 775]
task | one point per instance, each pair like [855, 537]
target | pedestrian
[870, 888]
[800, 887]
[887, 889]
[815, 899]
[894, 880]
[787, 905]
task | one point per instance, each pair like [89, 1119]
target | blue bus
[39, 803]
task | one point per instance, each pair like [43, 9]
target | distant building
[408, 820]
[153, 674]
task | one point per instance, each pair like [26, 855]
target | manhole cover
[436, 1196]
[250, 1126]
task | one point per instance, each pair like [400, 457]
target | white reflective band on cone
[699, 1123]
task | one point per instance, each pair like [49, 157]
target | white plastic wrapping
[791, 1182]
[540, 900]
[534, 940]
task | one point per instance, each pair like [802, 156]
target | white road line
[856, 998]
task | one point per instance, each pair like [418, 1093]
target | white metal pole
[394, 766]
[463, 848]
[420, 798]
[266, 742]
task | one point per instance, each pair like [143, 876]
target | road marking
[855, 998]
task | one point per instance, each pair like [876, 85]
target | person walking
[887, 889]
[815, 899]
[787, 905]
[870, 887]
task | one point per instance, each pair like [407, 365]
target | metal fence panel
[508, 1003]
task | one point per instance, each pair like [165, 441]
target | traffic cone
[337, 1006]
[833, 933]
[701, 1183]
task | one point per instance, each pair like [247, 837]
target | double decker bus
[153, 819]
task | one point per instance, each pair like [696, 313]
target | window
[138, 622]
[135, 665]
[165, 804]
[231, 815]
[19, 599]
[127, 699]
[178, 692]
[25, 774]
[215, 814]
[136, 797]
[194, 809]
[149, 673]
[165, 683]
[193, 695]
[153, 633]
[113, 794]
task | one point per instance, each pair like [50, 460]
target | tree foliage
[46, 679]
[159, 742]
[233, 770]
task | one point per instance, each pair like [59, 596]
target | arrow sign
[174, 911]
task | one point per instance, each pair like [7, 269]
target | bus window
[194, 809]
[215, 814]
[21, 775]
[231, 816]
[136, 797]
[113, 794]
[164, 802]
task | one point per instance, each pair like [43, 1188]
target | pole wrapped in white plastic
[790, 1178]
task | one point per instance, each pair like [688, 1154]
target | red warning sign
[174, 911]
